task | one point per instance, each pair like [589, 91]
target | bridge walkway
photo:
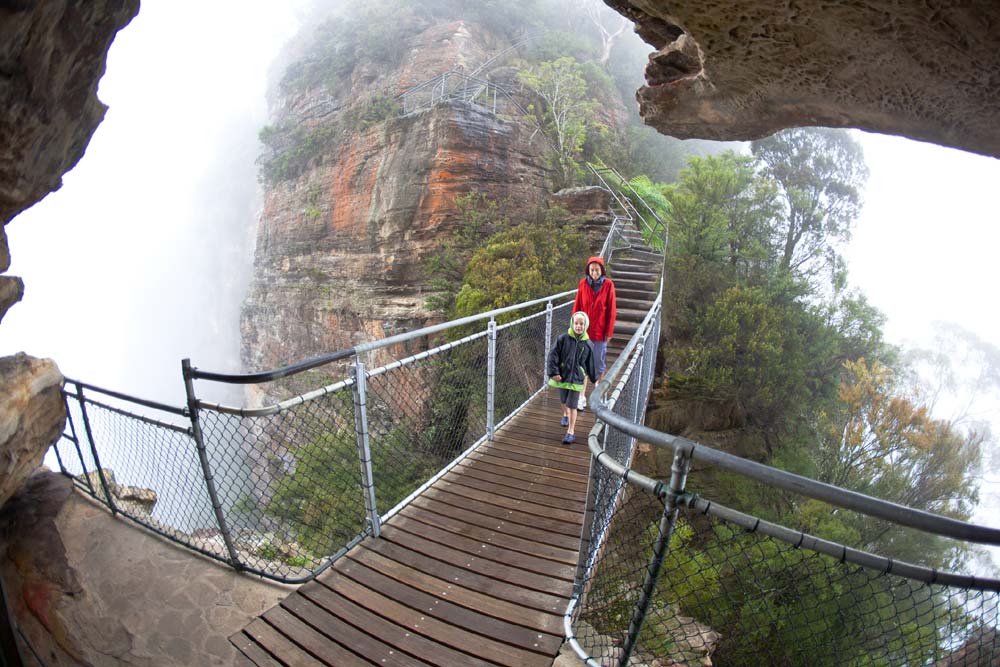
[478, 570]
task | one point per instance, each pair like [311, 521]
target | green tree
[722, 212]
[479, 218]
[877, 441]
[526, 262]
[567, 114]
[820, 174]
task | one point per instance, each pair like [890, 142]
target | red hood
[599, 260]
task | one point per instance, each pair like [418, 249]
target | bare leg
[572, 421]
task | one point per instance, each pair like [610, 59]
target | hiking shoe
[564, 421]
[569, 439]
[582, 405]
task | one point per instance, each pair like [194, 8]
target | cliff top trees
[567, 115]
[820, 173]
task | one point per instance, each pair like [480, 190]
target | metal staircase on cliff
[470, 88]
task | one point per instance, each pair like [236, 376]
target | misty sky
[142, 257]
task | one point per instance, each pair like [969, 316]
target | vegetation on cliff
[763, 333]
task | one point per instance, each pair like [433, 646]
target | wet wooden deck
[477, 570]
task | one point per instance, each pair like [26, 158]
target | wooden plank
[325, 650]
[503, 513]
[532, 533]
[553, 487]
[404, 600]
[479, 565]
[252, 651]
[434, 640]
[484, 456]
[549, 448]
[486, 604]
[467, 477]
[358, 639]
[466, 578]
[277, 644]
[530, 468]
[491, 537]
[502, 447]
[523, 561]
[514, 504]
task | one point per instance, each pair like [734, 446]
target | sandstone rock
[349, 267]
[742, 71]
[591, 201]
[135, 498]
[11, 291]
[88, 589]
[32, 415]
[52, 55]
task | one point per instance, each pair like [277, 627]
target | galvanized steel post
[93, 451]
[491, 376]
[364, 446]
[76, 444]
[678, 478]
[548, 341]
[206, 468]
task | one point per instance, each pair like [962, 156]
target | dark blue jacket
[572, 358]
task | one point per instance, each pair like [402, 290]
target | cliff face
[340, 252]
[342, 246]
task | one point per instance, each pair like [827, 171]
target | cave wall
[739, 71]
[52, 55]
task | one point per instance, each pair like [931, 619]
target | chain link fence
[669, 578]
[284, 489]
[140, 461]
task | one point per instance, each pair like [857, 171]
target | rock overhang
[741, 71]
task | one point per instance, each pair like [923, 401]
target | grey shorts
[569, 397]
[600, 354]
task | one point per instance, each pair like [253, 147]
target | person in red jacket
[595, 295]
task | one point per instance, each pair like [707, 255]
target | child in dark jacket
[569, 362]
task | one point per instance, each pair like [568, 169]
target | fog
[144, 254]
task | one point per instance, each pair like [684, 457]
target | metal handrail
[774, 477]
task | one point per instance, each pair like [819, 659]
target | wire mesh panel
[149, 468]
[737, 597]
[289, 483]
[625, 526]
[422, 414]
[520, 364]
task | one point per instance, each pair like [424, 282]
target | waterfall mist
[144, 255]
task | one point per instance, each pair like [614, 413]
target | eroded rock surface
[342, 247]
[52, 55]
[88, 589]
[724, 70]
[32, 414]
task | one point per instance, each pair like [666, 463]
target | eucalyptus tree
[820, 174]
[567, 114]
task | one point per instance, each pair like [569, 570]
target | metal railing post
[364, 446]
[93, 450]
[76, 444]
[678, 478]
[206, 468]
[548, 341]
[491, 377]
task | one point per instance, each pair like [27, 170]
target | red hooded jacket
[600, 307]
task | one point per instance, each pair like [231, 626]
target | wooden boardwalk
[477, 570]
